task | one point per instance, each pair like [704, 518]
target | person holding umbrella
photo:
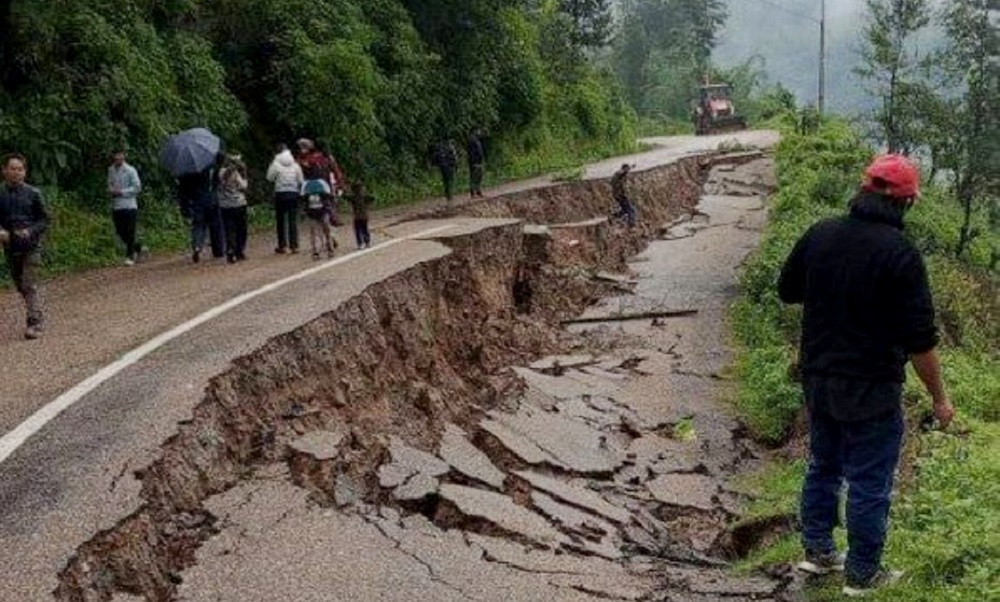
[191, 157]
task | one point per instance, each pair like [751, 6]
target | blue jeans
[865, 454]
[206, 222]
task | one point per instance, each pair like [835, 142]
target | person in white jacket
[286, 175]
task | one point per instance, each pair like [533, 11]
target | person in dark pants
[198, 203]
[626, 210]
[360, 202]
[233, 205]
[868, 309]
[286, 175]
[124, 186]
[477, 164]
[445, 158]
[23, 222]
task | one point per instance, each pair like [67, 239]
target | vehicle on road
[715, 112]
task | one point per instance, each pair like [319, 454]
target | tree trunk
[965, 196]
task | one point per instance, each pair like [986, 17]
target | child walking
[360, 202]
[319, 209]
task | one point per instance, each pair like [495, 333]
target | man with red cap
[868, 310]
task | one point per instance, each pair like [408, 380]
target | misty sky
[789, 46]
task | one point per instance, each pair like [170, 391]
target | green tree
[662, 50]
[890, 65]
[972, 61]
[591, 21]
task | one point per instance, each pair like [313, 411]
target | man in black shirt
[477, 164]
[868, 309]
[626, 210]
[23, 221]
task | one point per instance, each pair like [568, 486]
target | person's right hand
[944, 411]
[4, 237]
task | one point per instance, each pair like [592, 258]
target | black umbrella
[191, 151]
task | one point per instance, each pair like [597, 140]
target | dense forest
[376, 81]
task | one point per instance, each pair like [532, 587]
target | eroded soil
[444, 437]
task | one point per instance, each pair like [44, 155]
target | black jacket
[867, 301]
[475, 151]
[21, 208]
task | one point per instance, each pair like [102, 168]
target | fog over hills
[789, 46]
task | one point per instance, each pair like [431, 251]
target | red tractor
[715, 112]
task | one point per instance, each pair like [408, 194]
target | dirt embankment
[424, 349]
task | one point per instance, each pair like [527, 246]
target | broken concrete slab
[607, 586]
[519, 445]
[617, 278]
[685, 490]
[321, 445]
[577, 495]
[562, 361]
[513, 554]
[663, 456]
[579, 409]
[570, 518]
[553, 386]
[502, 511]
[418, 487]
[575, 445]
[407, 461]
[468, 459]
[347, 491]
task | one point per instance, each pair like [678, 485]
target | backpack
[316, 167]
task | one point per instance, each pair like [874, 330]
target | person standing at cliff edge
[868, 310]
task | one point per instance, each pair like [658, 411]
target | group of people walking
[314, 180]
[213, 200]
[445, 158]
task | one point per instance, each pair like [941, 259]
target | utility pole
[821, 101]
[822, 56]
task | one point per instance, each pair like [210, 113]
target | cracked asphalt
[76, 477]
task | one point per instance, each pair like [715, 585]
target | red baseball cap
[893, 175]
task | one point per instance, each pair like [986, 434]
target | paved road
[74, 477]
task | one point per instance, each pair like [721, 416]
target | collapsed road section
[440, 435]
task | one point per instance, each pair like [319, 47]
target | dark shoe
[241, 257]
[196, 256]
[316, 255]
[822, 564]
[295, 251]
[281, 251]
[230, 258]
[882, 578]
[33, 332]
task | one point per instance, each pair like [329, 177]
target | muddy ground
[449, 434]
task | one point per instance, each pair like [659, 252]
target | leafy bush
[375, 81]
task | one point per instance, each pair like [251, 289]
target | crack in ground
[430, 569]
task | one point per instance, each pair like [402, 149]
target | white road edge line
[10, 442]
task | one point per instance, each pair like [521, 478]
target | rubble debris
[466, 458]
[408, 462]
[572, 445]
[500, 510]
[577, 495]
[685, 490]
[649, 315]
[320, 445]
